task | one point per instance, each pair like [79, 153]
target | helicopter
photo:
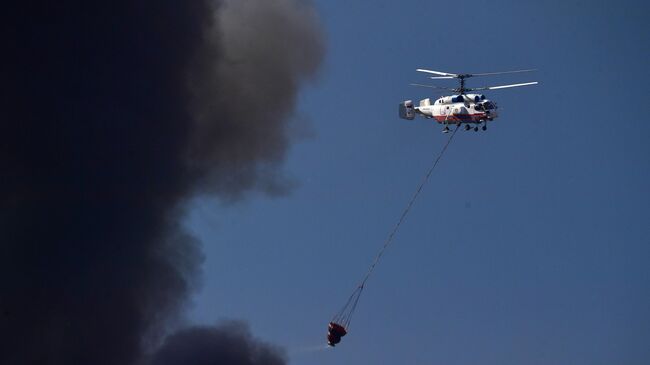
[461, 108]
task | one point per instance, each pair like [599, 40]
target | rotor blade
[441, 77]
[436, 72]
[433, 87]
[504, 72]
[502, 86]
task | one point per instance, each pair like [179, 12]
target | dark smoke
[113, 114]
[230, 343]
[268, 49]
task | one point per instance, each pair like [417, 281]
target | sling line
[344, 316]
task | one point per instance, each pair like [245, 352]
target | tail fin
[406, 110]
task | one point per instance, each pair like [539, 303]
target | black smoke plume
[113, 115]
[229, 343]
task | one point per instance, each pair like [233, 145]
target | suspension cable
[344, 316]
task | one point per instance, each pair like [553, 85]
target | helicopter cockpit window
[478, 107]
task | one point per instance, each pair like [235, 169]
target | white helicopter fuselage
[462, 108]
[455, 109]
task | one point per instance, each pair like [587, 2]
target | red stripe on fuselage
[460, 117]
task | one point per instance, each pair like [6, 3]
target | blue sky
[530, 243]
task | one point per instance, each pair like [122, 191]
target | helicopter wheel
[484, 127]
[467, 127]
[476, 129]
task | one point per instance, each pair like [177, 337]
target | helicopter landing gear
[446, 129]
[467, 127]
[484, 127]
[476, 129]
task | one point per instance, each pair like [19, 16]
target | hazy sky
[530, 244]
